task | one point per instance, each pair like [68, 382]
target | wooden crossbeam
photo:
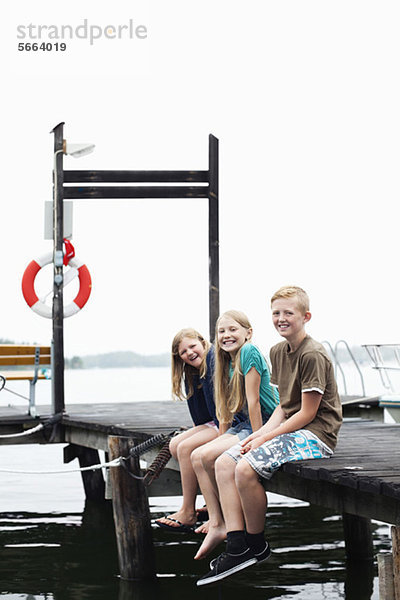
[101, 192]
[136, 176]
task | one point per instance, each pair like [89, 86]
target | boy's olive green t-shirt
[308, 369]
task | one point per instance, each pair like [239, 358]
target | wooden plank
[24, 360]
[90, 439]
[12, 350]
[392, 487]
[334, 496]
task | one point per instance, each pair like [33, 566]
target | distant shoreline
[122, 359]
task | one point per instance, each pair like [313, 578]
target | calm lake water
[55, 546]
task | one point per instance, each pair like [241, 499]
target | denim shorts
[243, 429]
[267, 458]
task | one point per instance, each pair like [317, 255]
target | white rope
[113, 463]
[24, 433]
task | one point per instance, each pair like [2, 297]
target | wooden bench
[17, 356]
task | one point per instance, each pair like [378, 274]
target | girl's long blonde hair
[230, 394]
[182, 373]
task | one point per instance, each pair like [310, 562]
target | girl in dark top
[192, 380]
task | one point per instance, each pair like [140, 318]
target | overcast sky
[304, 98]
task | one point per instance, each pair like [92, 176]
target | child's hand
[248, 439]
[251, 442]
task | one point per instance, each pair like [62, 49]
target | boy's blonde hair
[181, 373]
[293, 291]
[229, 393]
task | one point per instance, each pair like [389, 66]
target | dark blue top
[201, 404]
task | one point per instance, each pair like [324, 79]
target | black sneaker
[260, 556]
[228, 564]
[264, 554]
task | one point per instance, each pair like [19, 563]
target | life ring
[28, 287]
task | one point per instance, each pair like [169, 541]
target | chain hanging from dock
[140, 449]
[158, 464]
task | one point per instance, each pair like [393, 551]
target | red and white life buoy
[28, 287]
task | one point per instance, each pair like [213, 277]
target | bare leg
[181, 448]
[231, 505]
[252, 495]
[203, 460]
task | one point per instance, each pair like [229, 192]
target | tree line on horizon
[121, 359]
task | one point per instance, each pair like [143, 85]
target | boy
[304, 425]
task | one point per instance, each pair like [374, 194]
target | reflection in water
[74, 557]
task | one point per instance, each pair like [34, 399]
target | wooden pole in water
[396, 560]
[385, 572]
[131, 515]
[358, 537]
[389, 569]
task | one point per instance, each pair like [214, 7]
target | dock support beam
[131, 515]
[358, 537]
[93, 481]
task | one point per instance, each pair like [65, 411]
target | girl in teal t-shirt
[241, 382]
[242, 378]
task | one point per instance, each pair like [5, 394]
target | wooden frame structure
[198, 184]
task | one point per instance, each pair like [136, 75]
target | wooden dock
[361, 481]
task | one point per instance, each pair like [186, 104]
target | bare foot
[215, 536]
[203, 528]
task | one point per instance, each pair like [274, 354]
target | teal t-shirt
[250, 356]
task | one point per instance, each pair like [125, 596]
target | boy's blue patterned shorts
[266, 459]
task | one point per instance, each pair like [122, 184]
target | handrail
[375, 355]
[337, 364]
[354, 361]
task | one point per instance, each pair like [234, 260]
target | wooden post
[389, 569]
[396, 560]
[93, 481]
[213, 234]
[131, 515]
[385, 572]
[358, 537]
[58, 303]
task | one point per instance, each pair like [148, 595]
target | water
[53, 545]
